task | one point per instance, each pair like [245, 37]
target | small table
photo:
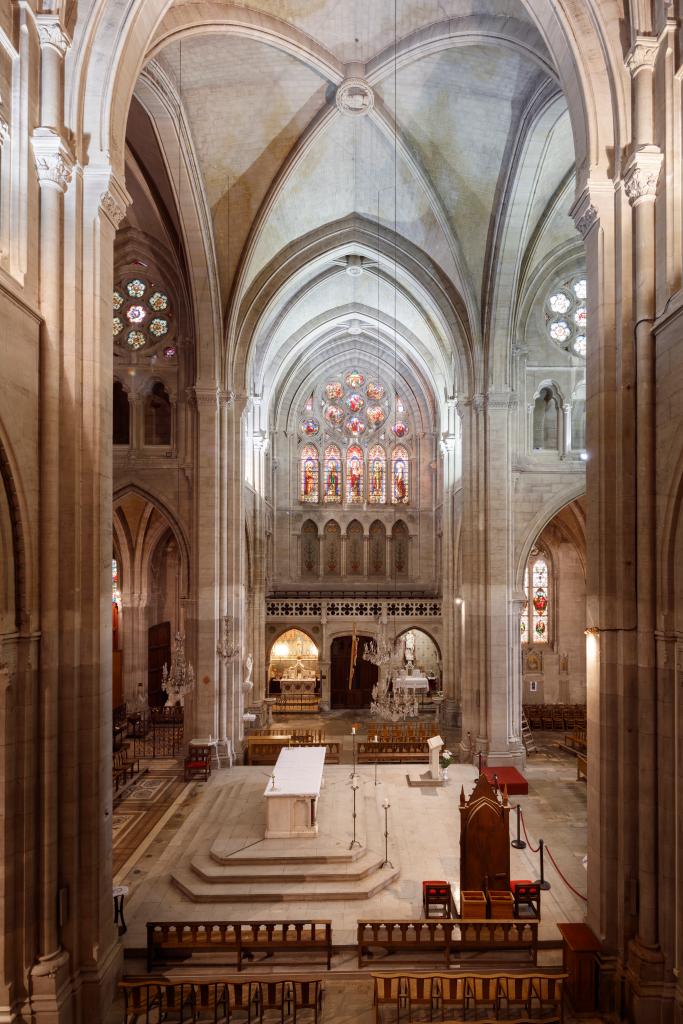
[118, 892]
[579, 951]
[414, 682]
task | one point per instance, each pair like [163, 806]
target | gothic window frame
[354, 452]
[400, 454]
[332, 452]
[566, 314]
[531, 614]
[143, 314]
[375, 453]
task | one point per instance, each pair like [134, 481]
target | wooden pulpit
[484, 838]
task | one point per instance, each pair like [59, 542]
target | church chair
[198, 763]
[515, 993]
[242, 1000]
[177, 1003]
[437, 894]
[421, 992]
[528, 895]
[273, 996]
[210, 1002]
[142, 1001]
[307, 994]
[452, 996]
[482, 997]
[546, 1002]
[390, 990]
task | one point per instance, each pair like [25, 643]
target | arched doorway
[414, 646]
[293, 655]
[352, 677]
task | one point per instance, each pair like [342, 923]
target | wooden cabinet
[579, 957]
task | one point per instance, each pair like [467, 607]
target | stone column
[234, 561]
[566, 443]
[640, 183]
[54, 165]
[450, 613]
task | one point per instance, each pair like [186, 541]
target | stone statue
[248, 683]
[409, 649]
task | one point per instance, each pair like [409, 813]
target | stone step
[295, 871]
[199, 891]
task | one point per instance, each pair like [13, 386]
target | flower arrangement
[446, 758]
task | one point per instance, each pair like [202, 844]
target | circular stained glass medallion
[135, 339]
[117, 325]
[580, 289]
[375, 391]
[355, 403]
[333, 391]
[579, 345]
[354, 380]
[158, 302]
[559, 302]
[400, 429]
[118, 299]
[158, 327]
[355, 426]
[136, 314]
[136, 288]
[560, 330]
[375, 415]
[334, 415]
[310, 427]
[169, 352]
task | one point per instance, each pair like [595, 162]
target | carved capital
[587, 220]
[447, 444]
[227, 398]
[54, 161]
[641, 177]
[500, 400]
[642, 54]
[261, 441]
[205, 397]
[112, 208]
[51, 33]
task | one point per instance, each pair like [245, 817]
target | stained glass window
[332, 491]
[567, 316]
[354, 474]
[535, 621]
[399, 476]
[140, 304]
[310, 426]
[310, 490]
[377, 467]
[115, 582]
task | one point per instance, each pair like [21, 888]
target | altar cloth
[516, 784]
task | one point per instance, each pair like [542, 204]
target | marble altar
[292, 793]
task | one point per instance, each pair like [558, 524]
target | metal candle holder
[375, 741]
[353, 742]
[386, 863]
[354, 787]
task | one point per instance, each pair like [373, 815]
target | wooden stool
[437, 894]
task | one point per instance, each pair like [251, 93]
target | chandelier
[393, 705]
[227, 648]
[379, 651]
[177, 683]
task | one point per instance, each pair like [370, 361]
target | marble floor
[423, 843]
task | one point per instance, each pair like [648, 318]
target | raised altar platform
[510, 777]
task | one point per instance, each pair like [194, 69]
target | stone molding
[226, 398]
[206, 397]
[54, 161]
[643, 54]
[51, 33]
[642, 176]
[587, 220]
[112, 208]
[354, 97]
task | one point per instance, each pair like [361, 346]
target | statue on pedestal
[249, 665]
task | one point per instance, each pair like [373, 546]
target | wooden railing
[170, 941]
[446, 938]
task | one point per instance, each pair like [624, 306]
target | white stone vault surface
[228, 815]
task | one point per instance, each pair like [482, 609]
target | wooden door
[158, 654]
[359, 693]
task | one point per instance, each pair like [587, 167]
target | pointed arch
[355, 549]
[332, 475]
[377, 554]
[355, 475]
[309, 474]
[310, 549]
[400, 476]
[400, 549]
[377, 475]
[332, 549]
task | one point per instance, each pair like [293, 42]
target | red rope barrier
[534, 849]
[568, 884]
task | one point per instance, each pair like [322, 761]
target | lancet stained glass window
[354, 474]
[399, 476]
[332, 491]
[377, 471]
[535, 620]
[309, 474]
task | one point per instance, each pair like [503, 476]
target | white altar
[292, 802]
[288, 686]
[416, 681]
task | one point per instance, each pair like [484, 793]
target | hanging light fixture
[177, 683]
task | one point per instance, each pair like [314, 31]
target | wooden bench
[524, 998]
[168, 942]
[447, 939]
[368, 753]
[265, 750]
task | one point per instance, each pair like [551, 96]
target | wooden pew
[412, 753]
[581, 767]
[446, 939]
[170, 941]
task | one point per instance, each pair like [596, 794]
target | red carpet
[510, 777]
